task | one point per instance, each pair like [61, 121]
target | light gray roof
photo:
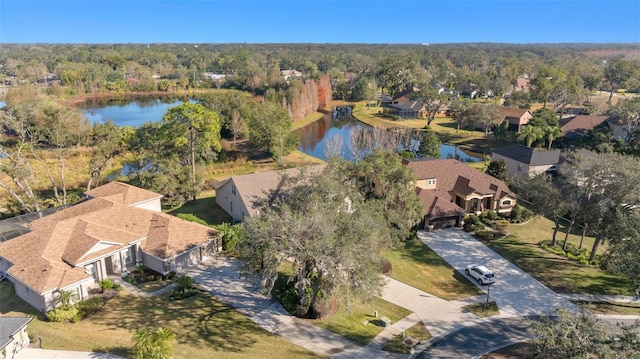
[10, 326]
[255, 188]
[530, 156]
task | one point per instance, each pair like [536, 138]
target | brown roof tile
[43, 258]
[123, 193]
[581, 123]
[454, 176]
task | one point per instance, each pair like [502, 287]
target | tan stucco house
[116, 227]
[525, 162]
[449, 189]
[13, 336]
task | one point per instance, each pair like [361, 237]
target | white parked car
[481, 273]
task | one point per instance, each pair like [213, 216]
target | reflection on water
[351, 139]
[130, 111]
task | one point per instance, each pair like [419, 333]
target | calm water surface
[317, 137]
[132, 112]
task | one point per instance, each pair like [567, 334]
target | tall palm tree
[65, 297]
[551, 133]
[530, 134]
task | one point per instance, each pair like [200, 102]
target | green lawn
[204, 327]
[350, 324]
[607, 308]
[479, 309]
[558, 273]
[205, 208]
[420, 267]
[418, 331]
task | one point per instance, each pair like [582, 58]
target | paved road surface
[481, 338]
[515, 292]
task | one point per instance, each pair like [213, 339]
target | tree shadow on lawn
[206, 209]
[560, 274]
[198, 322]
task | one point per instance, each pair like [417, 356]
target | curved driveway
[515, 292]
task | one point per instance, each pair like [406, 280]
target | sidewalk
[34, 353]
[602, 298]
[219, 275]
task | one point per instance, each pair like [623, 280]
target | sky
[319, 21]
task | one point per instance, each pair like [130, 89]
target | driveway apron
[515, 292]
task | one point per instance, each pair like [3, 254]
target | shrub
[492, 215]
[192, 218]
[485, 235]
[130, 279]
[105, 284]
[117, 287]
[171, 275]
[64, 314]
[231, 235]
[520, 214]
[288, 297]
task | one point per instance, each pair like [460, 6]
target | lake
[132, 112]
[333, 134]
[316, 139]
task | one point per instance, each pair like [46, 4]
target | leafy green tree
[530, 134]
[628, 111]
[432, 101]
[332, 237]
[150, 344]
[270, 128]
[390, 185]
[498, 169]
[551, 133]
[460, 110]
[545, 199]
[108, 141]
[429, 144]
[580, 335]
[618, 73]
[189, 129]
[623, 253]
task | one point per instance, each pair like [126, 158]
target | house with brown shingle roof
[242, 196]
[115, 228]
[581, 124]
[449, 189]
[517, 117]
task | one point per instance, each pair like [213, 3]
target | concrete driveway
[515, 292]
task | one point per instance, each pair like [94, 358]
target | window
[128, 255]
[233, 189]
[231, 204]
[431, 182]
[506, 202]
[519, 166]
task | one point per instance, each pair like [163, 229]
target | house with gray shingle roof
[242, 196]
[13, 335]
[117, 227]
[449, 189]
[525, 162]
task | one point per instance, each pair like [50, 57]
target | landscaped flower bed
[148, 279]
